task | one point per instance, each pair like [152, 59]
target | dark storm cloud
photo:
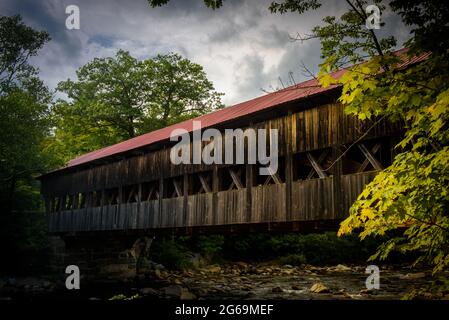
[38, 15]
[242, 46]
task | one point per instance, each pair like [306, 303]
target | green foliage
[250, 246]
[324, 248]
[210, 246]
[212, 4]
[290, 248]
[429, 24]
[411, 195]
[124, 297]
[24, 126]
[23, 111]
[117, 98]
[18, 43]
[299, 6]
[173, 254]
[293, 259]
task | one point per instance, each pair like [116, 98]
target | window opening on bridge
[232, 178]
[312, 164]
[150, 191]
[366, 156]
[112, 196]
[130, 193]
[173, 188]
[277, 177]
[200, 182]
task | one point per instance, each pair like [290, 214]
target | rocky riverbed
[239, 280]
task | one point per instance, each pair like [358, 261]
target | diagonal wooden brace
[319, 170]
[235, 179]
[369, 156]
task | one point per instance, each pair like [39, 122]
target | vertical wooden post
[75, 201]
[63, 204]
[103, 210]
[215, 188]
[249, 188]
[51, 203]
[393, 140]
[249, 183]
[47, 212]
[120, 207]
[85, 216]
[139, 193]
[337, 168]
[140, 214]
[73, 208]
[161, 195]
[47, 204]
[288, 168]
[185, 194]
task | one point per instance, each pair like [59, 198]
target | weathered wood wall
[289, 199]
[311, 129]
[312, 200]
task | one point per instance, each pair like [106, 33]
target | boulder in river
[340, 268]
[319, 287]
[277, 290]
[149, 292]
[418, 275]
[178, 292]
[213, 269]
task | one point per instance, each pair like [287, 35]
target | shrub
[170, 253]
[293, 259]
[290, 248]
[210, 246]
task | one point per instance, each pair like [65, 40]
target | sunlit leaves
[411, 194]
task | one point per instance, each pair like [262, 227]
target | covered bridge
[133, 185]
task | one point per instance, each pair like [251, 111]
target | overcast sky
[242, 46]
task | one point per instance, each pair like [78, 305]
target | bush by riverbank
[290, 248]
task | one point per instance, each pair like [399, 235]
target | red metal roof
[293, 93]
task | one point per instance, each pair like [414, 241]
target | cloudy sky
[243, 48]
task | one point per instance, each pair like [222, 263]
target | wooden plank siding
[315, 129]
[268, 203]
[352, 186]
[302, 131]
[311, 200]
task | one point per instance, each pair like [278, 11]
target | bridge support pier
[101, 258]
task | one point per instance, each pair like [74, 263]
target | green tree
[412, 195]
[24, 125]
[118, 98]
[18, 43]
[23, 109]
[213, 4]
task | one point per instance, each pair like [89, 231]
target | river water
[237, 280]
